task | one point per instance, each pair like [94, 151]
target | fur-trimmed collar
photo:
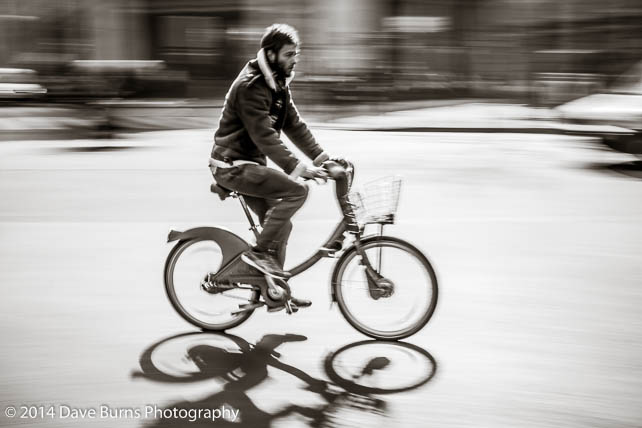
[261, 57]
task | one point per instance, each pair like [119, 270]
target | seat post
[246, 210]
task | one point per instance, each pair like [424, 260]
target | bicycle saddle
[221, 191]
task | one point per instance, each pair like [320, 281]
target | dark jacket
[252, 119]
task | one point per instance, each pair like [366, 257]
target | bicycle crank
[278, 296]
[276, 292]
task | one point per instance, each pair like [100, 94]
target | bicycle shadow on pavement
[240, 366]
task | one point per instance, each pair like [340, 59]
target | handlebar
[335, 169]
[342, 172]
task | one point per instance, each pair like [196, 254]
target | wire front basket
[376, 201]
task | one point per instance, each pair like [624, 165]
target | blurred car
[620, 107]
[19, 83]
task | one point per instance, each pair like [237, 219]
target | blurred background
[494, 111]
[543, 52]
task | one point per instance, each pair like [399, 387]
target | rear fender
[231, 244]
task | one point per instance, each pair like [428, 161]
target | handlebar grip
[334, 169]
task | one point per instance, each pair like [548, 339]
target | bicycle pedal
[291, 308]
[276, 308]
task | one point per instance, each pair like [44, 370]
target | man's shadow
[242, 366]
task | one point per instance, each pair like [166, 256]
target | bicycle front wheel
[405, 310]
[187, 266]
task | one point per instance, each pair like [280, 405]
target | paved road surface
[536, 241]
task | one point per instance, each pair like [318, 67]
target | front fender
[230, 243]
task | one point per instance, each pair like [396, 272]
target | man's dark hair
[278, 35]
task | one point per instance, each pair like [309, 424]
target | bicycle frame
[342, 176]
[314, 258]
[236, 271]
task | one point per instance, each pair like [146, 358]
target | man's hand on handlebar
[316, 173]
[340, 160]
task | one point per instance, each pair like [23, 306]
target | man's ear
[271, 55]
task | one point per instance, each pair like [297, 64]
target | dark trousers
[272, 195]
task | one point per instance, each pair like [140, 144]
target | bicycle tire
[170, 266]
[380, 242]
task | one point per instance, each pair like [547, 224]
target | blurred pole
[464, 28]
[566, 40]
[119, 29]
[395, 45]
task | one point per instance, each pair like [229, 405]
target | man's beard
[281, 73]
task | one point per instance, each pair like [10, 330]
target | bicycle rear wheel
[187, 265]
[414, 296]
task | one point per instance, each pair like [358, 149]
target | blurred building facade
[544, 51]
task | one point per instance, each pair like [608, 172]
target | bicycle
[366, 281]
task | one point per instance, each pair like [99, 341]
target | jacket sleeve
[253, 106]
[297, 131]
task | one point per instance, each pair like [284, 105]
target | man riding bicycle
[258, 106]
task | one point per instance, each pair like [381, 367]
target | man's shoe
[265, 262]
[301, 303]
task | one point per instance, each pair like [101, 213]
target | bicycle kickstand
[248, 307]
